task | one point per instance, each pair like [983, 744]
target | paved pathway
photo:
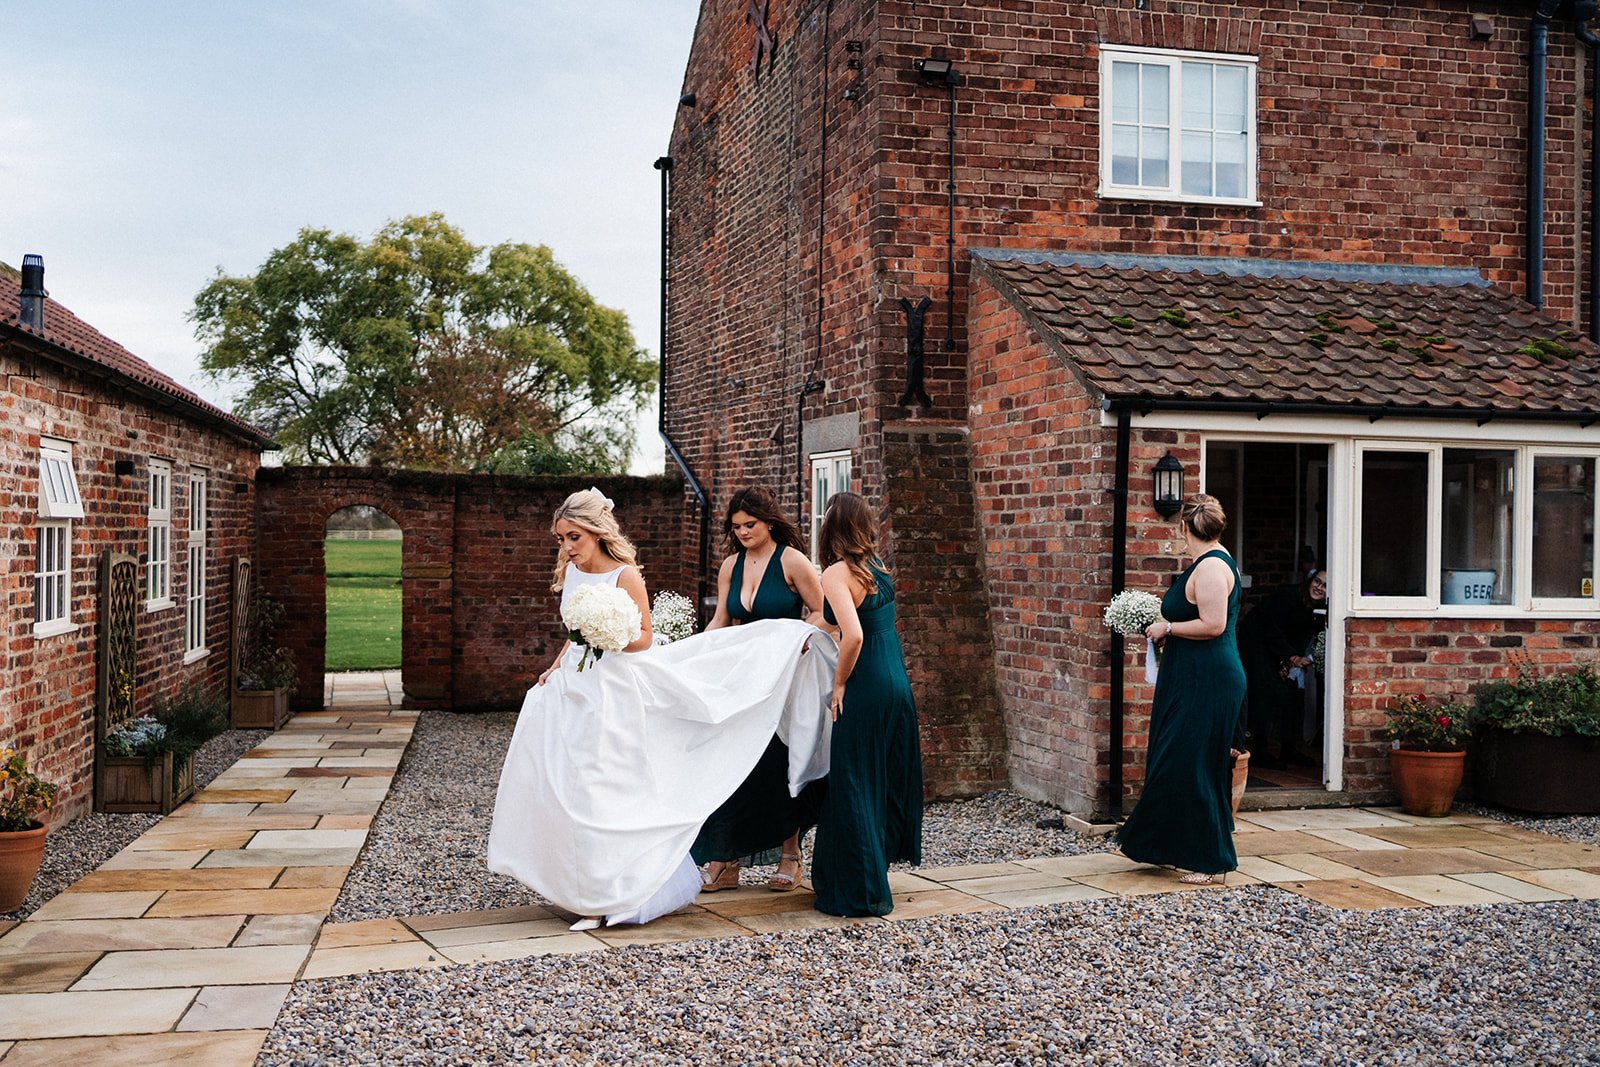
[185, 944]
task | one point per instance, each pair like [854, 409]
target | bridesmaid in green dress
[766, 575]
[1184, 818]
[872, 813]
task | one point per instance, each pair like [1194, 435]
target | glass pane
[1563, 526]
[1153, 166]
[1196, 164]
[1232, 164]
[1154, 94]
[1124, 92]
[1232, 99]
[1124, 155]
[1195, 90]
[1394, 524]
[1476, 558]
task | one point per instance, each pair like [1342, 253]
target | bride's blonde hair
[587, 509]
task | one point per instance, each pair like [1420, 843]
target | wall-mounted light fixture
[1480, 28]
[1168, 474]
[686, 100]
[937, 71]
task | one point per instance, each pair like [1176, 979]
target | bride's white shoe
[588, 922]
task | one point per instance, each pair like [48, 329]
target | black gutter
[813, 384]
[1374, 412]
[1119, 575]
[1538, 61]
[1591, 42]
[664, 165]
[59, 354]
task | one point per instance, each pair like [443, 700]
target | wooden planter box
[260, 709]
[1537, 773]
[129, 784]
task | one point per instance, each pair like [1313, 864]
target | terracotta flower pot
[1426, 781]
[21, 852]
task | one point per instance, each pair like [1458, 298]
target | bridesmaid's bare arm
[839, 587]
[804, 580]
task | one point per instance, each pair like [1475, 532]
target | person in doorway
[1184, 816]
[1274, 641]
[766, 575]
[872, 811]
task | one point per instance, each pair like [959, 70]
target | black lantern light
[1168, 486]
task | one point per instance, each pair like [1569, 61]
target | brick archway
[479, 617]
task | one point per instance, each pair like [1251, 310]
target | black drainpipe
[1538, 56]
[1582, 13]
[814, 384]
[664, 165]
[1119, 575]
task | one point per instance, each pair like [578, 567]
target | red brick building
[102, 453]
[1331, 257]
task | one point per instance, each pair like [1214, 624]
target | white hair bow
[606, 502]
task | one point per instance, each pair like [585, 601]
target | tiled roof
[1243, 333]
[64, 330]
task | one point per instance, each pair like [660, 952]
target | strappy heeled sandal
[781, 882]
[1196, 878]
[727, 878]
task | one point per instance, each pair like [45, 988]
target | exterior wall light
[934, 71]
[1168, 486]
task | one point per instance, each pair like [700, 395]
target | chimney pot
[31, 308]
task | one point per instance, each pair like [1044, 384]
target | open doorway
[1275, 495]
[362, 554]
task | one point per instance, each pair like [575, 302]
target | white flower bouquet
[601, 619]
[672, 616]
[1131, 612]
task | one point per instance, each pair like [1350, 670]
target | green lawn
[363, 605]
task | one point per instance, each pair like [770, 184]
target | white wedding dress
[612, 770]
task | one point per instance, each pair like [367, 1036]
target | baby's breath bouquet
[672, 616]
[1132, 611]
[601, 619]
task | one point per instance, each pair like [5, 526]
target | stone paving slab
[234, 1048]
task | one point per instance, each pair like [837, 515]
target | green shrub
[1422, 725]
[1557, 704]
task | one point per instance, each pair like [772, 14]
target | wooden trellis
[116, 666]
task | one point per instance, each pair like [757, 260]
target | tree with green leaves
[419, 349]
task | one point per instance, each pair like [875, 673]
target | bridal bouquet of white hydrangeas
[1131, 612]
[601, 619]
[672, 616]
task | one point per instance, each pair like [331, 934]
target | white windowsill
[1168, 196]
[196, 656]
[41, 630]
[160, 605]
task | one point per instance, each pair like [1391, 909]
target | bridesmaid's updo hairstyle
[850, 533]
[758, 502]
[1202, 514]
[589, 509]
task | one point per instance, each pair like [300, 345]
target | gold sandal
[781, 882]
[726, 878]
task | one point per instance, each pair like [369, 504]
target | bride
[613, 768]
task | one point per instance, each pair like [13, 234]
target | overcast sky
[147, 143]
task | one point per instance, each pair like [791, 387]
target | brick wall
[47, 685]
[479, 619]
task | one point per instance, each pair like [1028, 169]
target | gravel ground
[1246, 975]
[425, 853]
[73, 850]
[1583, 828]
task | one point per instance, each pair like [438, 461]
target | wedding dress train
[612, 769]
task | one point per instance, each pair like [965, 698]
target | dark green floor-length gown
[752, 824]
[1184, 817]
[872, 814]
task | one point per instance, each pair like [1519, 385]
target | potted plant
[1427, 753]
[1536, 741]
[266, 670]
[147, 764]
[24, 797]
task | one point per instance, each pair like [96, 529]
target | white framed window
[195, 604]
[830, 474]
[1466, 529]
[58, 482]
[52, 585]
[158, 538]
[1177, 126]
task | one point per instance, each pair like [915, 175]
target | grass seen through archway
[363, 605]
